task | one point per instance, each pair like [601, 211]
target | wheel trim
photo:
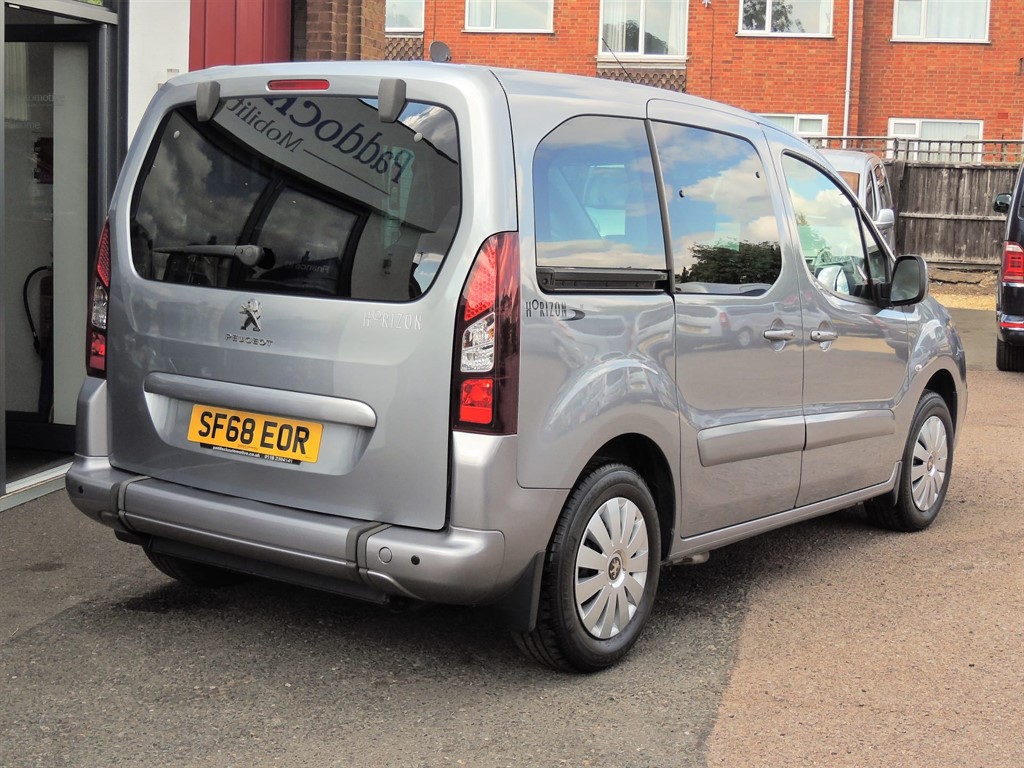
[611, 568]
[928, 465]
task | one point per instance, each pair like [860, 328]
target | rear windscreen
[305, 195]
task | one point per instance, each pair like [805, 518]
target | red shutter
[239, 32]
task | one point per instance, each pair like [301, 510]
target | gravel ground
[964, 290]
[907, 652]
[826, 643]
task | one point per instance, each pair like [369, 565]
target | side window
[725, 236]
[884, 195]
[869, 199]
[596, 197]
[831, 232]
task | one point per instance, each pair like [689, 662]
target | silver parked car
[417, 332]
[865, 173]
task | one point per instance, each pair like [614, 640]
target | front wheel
[927, 461]
[600, 573]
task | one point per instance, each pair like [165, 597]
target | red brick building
[939, 69]
[927, 69]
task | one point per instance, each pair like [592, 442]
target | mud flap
[518, 608]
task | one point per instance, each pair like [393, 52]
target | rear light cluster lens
[96, 354]
[486, 378]
[478, 345]
[1013, 263]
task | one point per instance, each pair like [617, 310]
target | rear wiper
[249, 255]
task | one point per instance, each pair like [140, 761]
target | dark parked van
[1010, 288]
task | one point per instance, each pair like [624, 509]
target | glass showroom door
[45, 248]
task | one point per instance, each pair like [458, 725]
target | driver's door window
[830, 230]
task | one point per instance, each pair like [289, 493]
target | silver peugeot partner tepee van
[425, 332]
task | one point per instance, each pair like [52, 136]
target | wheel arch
[643, 455]
[943, 384]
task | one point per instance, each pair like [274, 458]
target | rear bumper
[455, 565]
[490, 550]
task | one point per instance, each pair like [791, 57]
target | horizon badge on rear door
[257, 435]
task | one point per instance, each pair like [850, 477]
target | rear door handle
[822, 336]
[780, 334]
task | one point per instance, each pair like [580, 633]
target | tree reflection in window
[725, 235]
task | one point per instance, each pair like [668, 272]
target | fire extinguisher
[42, 335]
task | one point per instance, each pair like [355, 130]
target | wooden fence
[943, 193]
[944, 211]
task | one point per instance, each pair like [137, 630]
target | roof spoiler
[207, 99]
[390, 99]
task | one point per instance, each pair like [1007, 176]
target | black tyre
[192, 573]
[600, 573]
[1009, 357]
[927, 461]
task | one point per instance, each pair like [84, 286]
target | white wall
[70, 225]
[157, 50]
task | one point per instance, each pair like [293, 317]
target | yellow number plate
[253, 434]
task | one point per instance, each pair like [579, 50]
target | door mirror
[909, 281]
[1002, 203]
[886, 219]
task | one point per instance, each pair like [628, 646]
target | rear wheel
[600, 573]
[924, 477]
[192, 573]
[1009, 357]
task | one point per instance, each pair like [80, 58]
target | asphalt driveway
[827, 643]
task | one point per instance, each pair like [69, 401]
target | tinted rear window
[597, 200]
[326, 199]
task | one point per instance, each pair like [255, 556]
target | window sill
[509, 31]
[938, 40]
[604, 61]
[790, 35]
[403, 33]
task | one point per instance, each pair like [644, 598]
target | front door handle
[780, 334]
[822, 336]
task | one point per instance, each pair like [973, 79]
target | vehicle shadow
[693, 601]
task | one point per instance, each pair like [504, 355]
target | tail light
[485, 382]
[1013, 263]
[96, 349]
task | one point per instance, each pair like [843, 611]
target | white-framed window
[786, 17]
[802, 125]
[958, 21]
[509, 15]
[936, 141]
[643, 29]
[403, 16]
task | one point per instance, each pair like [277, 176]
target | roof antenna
[624, 70]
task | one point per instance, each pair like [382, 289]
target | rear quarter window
[596, 197]
[304, 195]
